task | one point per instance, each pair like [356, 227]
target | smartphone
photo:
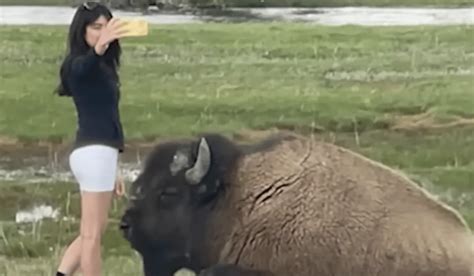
[135, 27]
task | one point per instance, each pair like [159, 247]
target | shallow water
[22, 15]
[379, 16]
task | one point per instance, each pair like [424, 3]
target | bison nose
[124, 225]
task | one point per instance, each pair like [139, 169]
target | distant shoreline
[290, 4]
[362, 16]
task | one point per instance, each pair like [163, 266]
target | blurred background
[391, 79]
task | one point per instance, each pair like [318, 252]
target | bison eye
[169, 196]
[170, 191]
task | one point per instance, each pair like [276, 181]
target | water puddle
[23, 15]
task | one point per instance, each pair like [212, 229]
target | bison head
[171, 199]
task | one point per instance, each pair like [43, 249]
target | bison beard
[288, 205]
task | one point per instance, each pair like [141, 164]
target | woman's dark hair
[86, 14]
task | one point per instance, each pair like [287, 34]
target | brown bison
[288, 205]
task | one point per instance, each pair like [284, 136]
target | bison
[287, 205]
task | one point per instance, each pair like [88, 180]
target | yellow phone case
[135, 27]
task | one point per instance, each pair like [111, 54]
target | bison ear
[180, 161]
[195, 174]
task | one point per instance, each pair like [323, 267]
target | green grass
[183, 79]
[45, 266]
[290, 3]
[402, 96]
[47, 234]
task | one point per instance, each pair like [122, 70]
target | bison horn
[195, 174]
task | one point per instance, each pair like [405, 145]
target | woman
[89, 75]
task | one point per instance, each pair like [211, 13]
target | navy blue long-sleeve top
[96, 96]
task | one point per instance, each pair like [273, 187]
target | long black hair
[86, 14]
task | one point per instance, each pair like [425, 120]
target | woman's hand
[109, 33]
[119, 186]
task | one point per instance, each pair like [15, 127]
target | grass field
[292, 3]
[403, 96]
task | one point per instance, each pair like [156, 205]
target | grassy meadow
[402, 96]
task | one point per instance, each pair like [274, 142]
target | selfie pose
[89, 76]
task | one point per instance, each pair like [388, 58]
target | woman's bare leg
[71, 258]
[95, 208]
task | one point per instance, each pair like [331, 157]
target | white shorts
[95, 167]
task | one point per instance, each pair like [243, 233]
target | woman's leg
[94, 168]
[71, 258]
[95, 207]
